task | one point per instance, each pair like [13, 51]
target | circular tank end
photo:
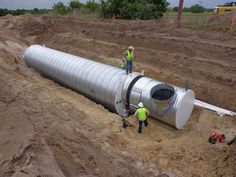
[185, 109]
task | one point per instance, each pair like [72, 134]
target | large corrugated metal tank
[111, 87]
[168, 103]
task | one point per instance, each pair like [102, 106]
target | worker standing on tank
[129, 56]
[141, 114]
[123, 64]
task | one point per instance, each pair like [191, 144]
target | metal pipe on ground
[111, 87]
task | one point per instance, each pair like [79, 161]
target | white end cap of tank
[185, 109]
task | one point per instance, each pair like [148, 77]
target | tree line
[134, 9]
[123, 9]
[75, 6]
[126, 9]
[58, 8]
[197, 8]
[34, 11]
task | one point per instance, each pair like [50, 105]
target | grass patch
[201, 21]
[220, 26]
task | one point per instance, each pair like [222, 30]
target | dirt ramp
[226, 165]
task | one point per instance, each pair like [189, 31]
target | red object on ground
[220, 138]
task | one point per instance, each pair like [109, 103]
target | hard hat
[131, 48]
[140, 105]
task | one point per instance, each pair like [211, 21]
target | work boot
[139, 130]
[146, 123]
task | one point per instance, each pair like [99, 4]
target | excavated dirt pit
[48, 130]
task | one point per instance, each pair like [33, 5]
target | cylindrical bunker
[170, 104]
[111, 87]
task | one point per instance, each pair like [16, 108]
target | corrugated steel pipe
[111, 87]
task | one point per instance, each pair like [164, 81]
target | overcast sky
[30, 4]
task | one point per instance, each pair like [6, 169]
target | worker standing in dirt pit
[141, 114]
[129, 56]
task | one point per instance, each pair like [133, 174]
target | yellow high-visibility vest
[142, 114]
[130, 55]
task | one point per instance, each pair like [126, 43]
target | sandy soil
[48, 130]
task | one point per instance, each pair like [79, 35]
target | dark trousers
[140, 124]
[129, 65]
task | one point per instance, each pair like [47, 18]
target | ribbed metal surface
[95, 80]
[111, 87]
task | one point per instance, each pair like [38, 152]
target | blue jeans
[129, 66]
[140, 123]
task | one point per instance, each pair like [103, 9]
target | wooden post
[181, 3]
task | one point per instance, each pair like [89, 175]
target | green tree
[35, 11]
[60, 9]
[134, 9]
[197, 8]
[92, 5]
[185, 9]
[108, 7]
[3, 12]
[176, 9]
[75, 4]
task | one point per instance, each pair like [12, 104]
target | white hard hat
[140, 105]
[131, 48]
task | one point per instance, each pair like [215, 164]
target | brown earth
[48, 130]
[223, 18]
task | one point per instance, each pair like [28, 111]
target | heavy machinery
[227, 7]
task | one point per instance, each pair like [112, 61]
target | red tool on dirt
[215, 137]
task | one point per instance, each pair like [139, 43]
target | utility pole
[181, 3]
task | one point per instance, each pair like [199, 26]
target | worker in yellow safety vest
[141, 114]
[123, 64]
[129, 56]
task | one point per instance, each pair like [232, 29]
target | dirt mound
[8, 16]
[32, 26]
[226, 165]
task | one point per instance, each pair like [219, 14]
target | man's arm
[136, 114]
[148, 113]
